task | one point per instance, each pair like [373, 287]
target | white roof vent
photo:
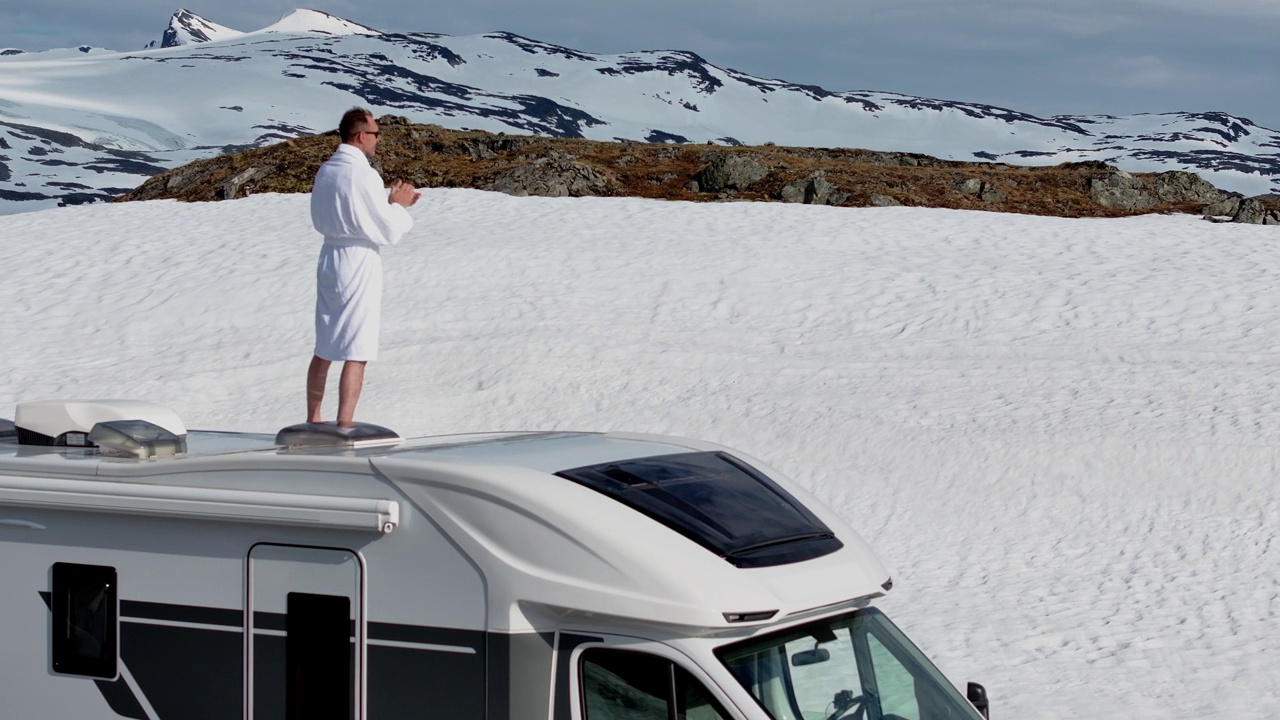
[67, 423]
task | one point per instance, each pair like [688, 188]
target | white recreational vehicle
[155, 573]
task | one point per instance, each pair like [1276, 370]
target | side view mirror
[810, 657]
[977, 695]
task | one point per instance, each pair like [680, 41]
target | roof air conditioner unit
[68, 423]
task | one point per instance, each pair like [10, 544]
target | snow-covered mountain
[187, 28]
[83, 125]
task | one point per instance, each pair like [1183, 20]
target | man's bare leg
[349, 391]
[317, 376]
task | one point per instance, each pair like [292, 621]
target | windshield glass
[857, 666]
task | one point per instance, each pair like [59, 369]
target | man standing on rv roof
[349, 207]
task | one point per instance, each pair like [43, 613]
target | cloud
[1145, 71]
[1223, 9]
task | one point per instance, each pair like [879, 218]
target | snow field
[1058, 433]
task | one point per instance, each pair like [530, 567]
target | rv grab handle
[977, 695]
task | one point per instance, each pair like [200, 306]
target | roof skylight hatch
[717, 501]
[136, 439]
[330, 435]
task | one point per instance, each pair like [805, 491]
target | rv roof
[543, 451]
[548, 452]
[200, 443]
[631, 506]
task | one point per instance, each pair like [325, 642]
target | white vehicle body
[509, 576]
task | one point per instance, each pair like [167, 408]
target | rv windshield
[857, 666]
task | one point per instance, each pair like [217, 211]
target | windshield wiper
[780, 541]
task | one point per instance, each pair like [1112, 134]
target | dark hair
[352, 122]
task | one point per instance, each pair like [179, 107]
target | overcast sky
[1044, 57]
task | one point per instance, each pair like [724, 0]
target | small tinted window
[318, 658]
[625, 685]
[717, 501]
[85, 620]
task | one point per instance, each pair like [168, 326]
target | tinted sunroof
[717, 501]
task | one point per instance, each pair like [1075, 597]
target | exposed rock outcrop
[555, 177]
[979, 188]
[1123, 191]
[1177, 186]
[231, 188]
[729, 171]
[813, 190]
[1226, 207]
[1260, 210]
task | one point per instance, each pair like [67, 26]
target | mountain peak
[188, 28]
[305, 20]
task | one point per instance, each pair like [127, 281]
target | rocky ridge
[433, 156]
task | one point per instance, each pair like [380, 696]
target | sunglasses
[374, 133]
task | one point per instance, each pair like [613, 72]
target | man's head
[359, 129]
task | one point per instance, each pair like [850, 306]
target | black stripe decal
[498, 677]
[226, 617]
[278, 622]
[119, 696]
[473, 639]
[395, 632]
[186, 673]
[195, 614]
[269, 621]
[173, 664]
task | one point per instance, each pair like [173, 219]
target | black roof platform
[329, 434]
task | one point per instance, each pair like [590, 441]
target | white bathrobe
[349, 207]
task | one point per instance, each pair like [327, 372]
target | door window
[318, 658]
[895, 682]
[626, 685]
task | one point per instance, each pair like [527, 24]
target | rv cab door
[304, 652]
[614, 676]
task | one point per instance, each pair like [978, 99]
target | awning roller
[250, 506]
